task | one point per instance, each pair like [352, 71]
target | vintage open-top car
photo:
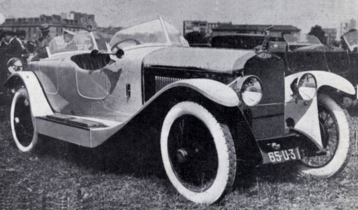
[214, 108]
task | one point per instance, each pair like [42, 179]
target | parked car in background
[308, 53]
[214, 108]
[349, 41]
[305, 52]
[239, 41]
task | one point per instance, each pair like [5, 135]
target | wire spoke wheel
[330, 138]
[335, 135]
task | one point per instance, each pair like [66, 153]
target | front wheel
[22, 122]
[335, 133]
[198, 153]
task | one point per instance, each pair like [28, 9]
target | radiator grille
[161, 82]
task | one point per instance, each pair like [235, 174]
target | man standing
[43, 42]
[10, 51]
[10, 47]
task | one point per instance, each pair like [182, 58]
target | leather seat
[86, 61]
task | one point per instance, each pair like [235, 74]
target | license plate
[281, 156]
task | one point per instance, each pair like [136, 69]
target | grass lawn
[124, 174]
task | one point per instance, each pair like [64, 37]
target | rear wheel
[335, 133]
[198, 153]
[22, 122]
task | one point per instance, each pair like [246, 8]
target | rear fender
[38, 100]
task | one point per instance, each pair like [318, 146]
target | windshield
[76, 42]
[304, 40]
[350, 39]
[150, 33]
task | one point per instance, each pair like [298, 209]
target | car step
[73, 121]
[88, 132]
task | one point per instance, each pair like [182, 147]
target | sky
[303, 14]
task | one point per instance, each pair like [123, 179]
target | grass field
[124, 174]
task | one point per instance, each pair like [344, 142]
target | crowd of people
[13, 44]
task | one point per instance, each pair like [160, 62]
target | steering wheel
[115, 46]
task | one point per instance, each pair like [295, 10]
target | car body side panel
[338, 62]
[353, 77]
[302, 60]
[112, 92]
[48, 74]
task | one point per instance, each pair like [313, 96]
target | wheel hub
[182, 155]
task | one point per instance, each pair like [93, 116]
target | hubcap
[182, 155]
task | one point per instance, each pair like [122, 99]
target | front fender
[305, 114]
[323, 78]
[213, 90]
[38, 100]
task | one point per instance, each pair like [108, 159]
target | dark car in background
[239, 41]
[305, 52]
[308, 53]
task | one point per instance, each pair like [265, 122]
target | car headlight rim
[249, 89]
[307, 86]
[14, 65]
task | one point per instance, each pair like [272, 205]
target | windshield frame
[164, 30]
[351, 47]
[300, 41]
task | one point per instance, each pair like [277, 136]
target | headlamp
[14, 65]
[307, 87]
[249, 89]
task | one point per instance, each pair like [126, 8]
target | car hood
[214, 60]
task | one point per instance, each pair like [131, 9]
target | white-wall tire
[337, 145]
[193, 157]
[22, 123]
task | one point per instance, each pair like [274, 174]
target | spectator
[68, 37]
[21, 35]
[31, 46]
[43, 42]
[10, 47]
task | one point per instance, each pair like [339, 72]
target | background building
[330, 34]
[73, 21]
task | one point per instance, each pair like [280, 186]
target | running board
[87, 132]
